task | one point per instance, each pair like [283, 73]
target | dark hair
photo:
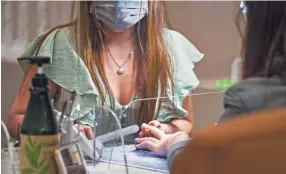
[265, 39]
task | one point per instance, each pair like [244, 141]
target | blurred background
[210, 26]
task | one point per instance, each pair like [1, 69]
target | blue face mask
[119, 15]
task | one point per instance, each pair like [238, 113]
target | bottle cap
[39, 80]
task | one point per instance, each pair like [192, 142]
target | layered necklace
[120, 69]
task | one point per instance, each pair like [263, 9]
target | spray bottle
[39, 131]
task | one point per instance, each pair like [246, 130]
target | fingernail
[136, 139]
[144, 124]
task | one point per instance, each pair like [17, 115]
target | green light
[224, 84]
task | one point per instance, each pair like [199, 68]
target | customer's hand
[161, 142]
[86, 130]
[146, 132]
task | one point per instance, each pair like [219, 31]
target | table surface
[102, 168]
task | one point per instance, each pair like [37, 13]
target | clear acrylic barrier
[107, 133]
[10, 157]
[9, 166]
[113, 153]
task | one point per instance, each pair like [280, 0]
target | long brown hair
[154, 64]
[264, 48]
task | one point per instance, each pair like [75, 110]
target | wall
[208, 25]
[211, 27]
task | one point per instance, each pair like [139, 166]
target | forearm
[175, 145]
[176, 125]
[174, 150]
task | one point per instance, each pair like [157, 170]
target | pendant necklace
[120, 69]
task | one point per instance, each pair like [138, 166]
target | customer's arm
[174, 150]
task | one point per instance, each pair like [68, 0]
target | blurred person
[264, 65]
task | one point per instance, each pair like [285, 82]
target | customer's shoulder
[257, 89]
[255, 94]
[255, 83]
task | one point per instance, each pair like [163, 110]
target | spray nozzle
[39, 60]
[39, 80]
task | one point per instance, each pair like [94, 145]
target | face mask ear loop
[92, 11]
[99, 24]
[10, 147]
[138, 31]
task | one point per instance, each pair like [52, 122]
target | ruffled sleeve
[184, 55]
[67, 69]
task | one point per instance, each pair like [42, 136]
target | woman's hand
[86, 130]
[145, 132]
[161, 142]
[167, 128]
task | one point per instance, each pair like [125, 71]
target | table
[102, 168]
[137, 160]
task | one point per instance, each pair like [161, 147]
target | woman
[264, 72]
[113, 53]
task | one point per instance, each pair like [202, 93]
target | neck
[118, 38]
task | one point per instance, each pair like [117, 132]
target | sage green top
[68, 71]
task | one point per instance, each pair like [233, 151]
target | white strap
[157, 100]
